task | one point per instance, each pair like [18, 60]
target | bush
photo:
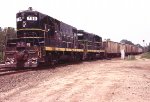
[146, 55]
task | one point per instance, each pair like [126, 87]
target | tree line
[147, 47]
[6, 33]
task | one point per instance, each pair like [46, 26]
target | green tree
[149, 47]
[126, 42]
[6, 33]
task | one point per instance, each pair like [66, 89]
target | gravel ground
[96, 81]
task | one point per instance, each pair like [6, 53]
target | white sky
[114, 19]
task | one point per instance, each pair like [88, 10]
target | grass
[146, 55]
[131, 57]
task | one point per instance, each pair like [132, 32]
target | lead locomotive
[42, 39]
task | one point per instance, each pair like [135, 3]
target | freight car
[113, 49]
[42, 39]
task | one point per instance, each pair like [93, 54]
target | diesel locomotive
[42, 39]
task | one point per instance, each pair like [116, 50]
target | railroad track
[9, 71]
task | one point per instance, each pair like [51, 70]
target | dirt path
[97, 81]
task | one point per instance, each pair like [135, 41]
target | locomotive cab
[27, 19]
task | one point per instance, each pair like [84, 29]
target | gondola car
[112, 49]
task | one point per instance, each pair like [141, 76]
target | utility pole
[149, 47]
[144, 45]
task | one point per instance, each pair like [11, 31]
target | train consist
[42, 39]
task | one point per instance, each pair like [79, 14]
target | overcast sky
[114, 19]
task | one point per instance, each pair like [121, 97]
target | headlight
[32, 60]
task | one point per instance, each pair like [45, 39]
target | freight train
[43, 40]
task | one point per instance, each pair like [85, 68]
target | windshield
[19, 19]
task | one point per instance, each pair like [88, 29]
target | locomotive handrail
[31, 29]
[31, 37]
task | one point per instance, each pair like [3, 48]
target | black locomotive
[42, 39]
